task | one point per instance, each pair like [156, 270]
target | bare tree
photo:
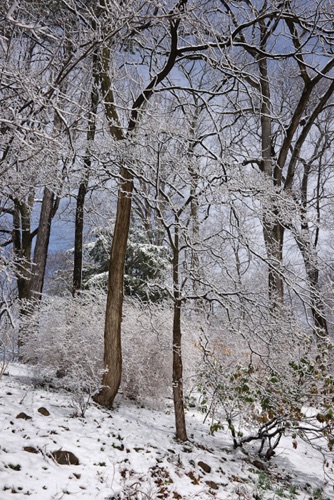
[278, 33]
[112, 352]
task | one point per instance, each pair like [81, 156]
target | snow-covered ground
[131, 453]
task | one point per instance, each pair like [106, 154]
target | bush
[63, 339]
[147, 352]
[8, 330]
[284, 386]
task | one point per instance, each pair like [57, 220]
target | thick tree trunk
[112, 361]
[22, 249]
[112, 335]
[273, 232]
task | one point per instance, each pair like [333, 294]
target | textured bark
[273, 232]
[42, 244]
[317, 305]
[22, 239]
[22, 247]
[112, 331]
[180, 422]
[112, 335]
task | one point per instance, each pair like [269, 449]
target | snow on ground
[131, 453]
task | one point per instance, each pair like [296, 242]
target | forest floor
[131, 453]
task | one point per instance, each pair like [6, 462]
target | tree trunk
[112, 360]
[309, 253]
[78, 236]
[80, 206]
[273, 237]
[180, 422]
[22, 250]
[195, 226]
[22, 247]
[308, 249]
[273, 232]
[317, 305]
[42, 244]
[112, 334]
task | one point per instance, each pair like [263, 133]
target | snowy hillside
[131, 453]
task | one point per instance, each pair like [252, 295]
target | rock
[259, 465]
[205, 467]
[24, 416]
[61, 373]
[43, 411]
[63, 457]
[193, 478]
[186, 449]
[270, 453]
[212, 485]
[30, 449]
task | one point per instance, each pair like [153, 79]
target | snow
[131, 452]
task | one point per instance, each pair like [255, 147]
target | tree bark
[22, 240]
[42, 244]
[180, 422]
[308, 250]
[273, 232]
[83, 188]
[22, 247]
[78, 234]
[112, 334]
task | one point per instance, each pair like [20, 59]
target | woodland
[184, 152]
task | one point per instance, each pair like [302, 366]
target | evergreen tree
[145, 265]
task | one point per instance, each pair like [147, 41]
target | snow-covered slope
[131, 453]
